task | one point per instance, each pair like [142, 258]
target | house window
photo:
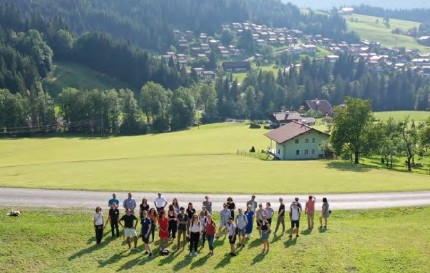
[296, 141]
[306, 152]
[313, 151]
[307, 140]
[313, 140]
[297, 152]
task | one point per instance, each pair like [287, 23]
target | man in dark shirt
[182, 226]
[129, 227]
[281, 216]
[113, 219]
[146, 229]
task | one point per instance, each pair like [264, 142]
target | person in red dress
[163, 224]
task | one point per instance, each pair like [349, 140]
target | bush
[254, 126]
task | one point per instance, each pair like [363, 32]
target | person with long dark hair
[195, 232]
[153, 215]
[144, 206]
[173, 222]
[325, 213]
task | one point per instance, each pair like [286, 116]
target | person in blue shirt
[113, 200]
[146, 230]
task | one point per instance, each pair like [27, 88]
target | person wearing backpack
[295, 212]
[241, 223]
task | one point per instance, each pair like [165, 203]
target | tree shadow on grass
[258, 258]
[290, 242]
[346, 166]
[226, 260]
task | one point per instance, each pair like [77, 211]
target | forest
[164, 95]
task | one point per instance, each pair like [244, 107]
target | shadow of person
[322, 230]
[258, 258]
[93, 247]
[307, 231]
[130, 264]
[186, 261]
[255, 243]
[226, 260]
[113, 259]
[290, 242]
[200, 261]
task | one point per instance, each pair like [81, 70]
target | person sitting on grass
[146, 230]
[129, 227]
[295, 212]
[232, 236]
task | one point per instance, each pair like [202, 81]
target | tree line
[356, 133]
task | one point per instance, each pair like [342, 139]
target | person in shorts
[130, 223]
[146, 231]
[232, 236]
[182, 227]
[225, 215]
[265, 232]
[241, 223]
[295, 212]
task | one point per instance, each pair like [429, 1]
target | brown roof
[320, 106]
[289, 131]
[286, 116]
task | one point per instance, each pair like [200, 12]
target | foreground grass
[368, 29]
[392, 240]
[197, 160]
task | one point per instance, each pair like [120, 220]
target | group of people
[186, 224]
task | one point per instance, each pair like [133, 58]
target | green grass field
[401, 115]
[78, 76]
[368, 29]
[198, 160]
[392, 240]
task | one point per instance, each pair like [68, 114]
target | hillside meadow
[56, 240]
[203, 159]
[373, 29]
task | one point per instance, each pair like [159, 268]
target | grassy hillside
[388, 4]
[368, 28]
[78, 76]
[203, 159]
[355, 241]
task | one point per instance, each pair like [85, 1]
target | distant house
[322, 106]
[236, 66]
[284, 117]
[295, 141]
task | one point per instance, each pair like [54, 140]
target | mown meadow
[211, 158]
[56, 240]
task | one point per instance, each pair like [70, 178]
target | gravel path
[14, 198]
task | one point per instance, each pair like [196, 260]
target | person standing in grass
[231, 206]
[195, 232]
[98, 224]
[113, 200]
[175, 204]
[182, 227]
[153, 215]
[129, 228]
[269, 212]
[260, 213]
[310, 211]
[325, 213]
[250, 218]
[232, 236]
[144, 206]
[173, 222]
[210, 228]
[163, 232]
[241, 223]
[129, 203]
[146, 229]
[160, 203]
[295, 212]
[265, 232]
[281, 216]
[113, 219]
[203, 218]
[208, 204]
[252, 203]
[225, 215]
